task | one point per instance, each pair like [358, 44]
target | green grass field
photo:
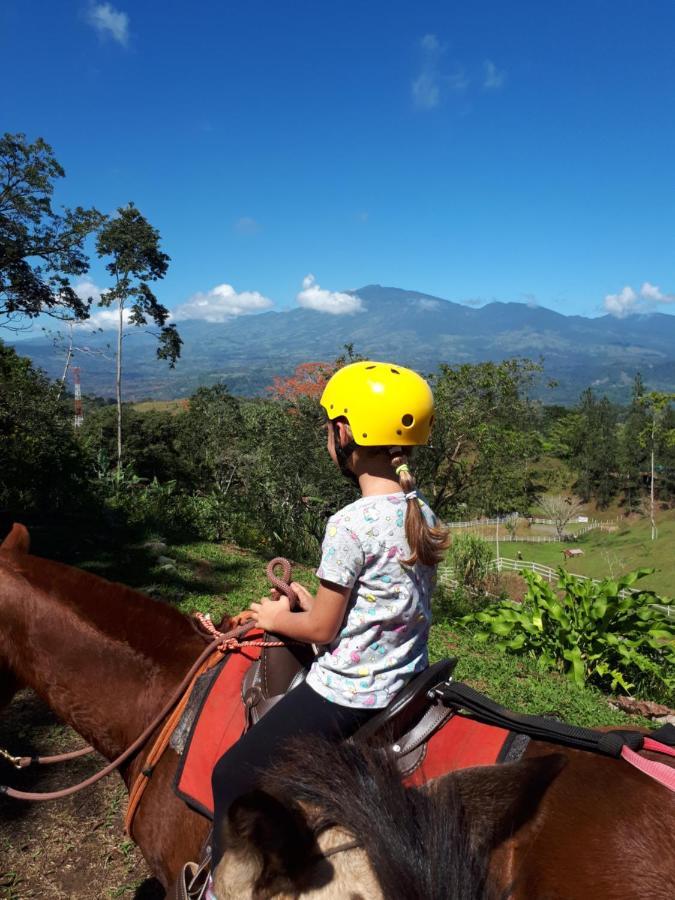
[172, 406]
[610, 554]
[606, 554]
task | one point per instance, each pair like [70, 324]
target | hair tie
[402, 468]
[411, 495]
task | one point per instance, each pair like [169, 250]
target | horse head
[336, 821]
[17, 542]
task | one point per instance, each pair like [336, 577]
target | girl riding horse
[372, 611]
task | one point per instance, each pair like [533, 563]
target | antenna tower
[79, 418]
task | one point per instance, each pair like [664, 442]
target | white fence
[477, 523]
[507, 538]
[446, 575]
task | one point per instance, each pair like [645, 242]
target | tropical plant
[600, 632]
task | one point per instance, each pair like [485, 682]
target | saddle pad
[219, 723]
[461, 743]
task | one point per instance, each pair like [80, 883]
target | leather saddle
[404, 726]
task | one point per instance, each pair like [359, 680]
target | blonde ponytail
[427, 543]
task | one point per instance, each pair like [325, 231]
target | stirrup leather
[193, 881]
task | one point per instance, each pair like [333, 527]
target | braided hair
[427, 543]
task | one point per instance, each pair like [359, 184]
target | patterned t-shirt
[383, 639]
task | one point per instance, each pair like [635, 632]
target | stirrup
[193, 881]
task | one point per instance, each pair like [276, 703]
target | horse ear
[270, 841]
[18, 540]
[498, 800]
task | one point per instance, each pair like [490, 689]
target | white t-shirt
[383, 639]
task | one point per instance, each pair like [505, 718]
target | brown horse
[560, 823]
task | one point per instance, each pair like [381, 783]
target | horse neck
[102, 656]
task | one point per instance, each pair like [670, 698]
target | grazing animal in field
[558, 823]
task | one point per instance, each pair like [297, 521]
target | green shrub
[589, 630]
[471, 560]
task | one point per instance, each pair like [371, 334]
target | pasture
[606, 554]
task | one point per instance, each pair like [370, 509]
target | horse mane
[417, 844]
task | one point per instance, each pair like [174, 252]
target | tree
[560, 510]
[308, 380]
[39, 248]
[595, 449]
[43, 468]
[634, 456]
[655, 436]
[136, 260]
[483, 439]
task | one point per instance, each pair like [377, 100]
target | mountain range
[408, 327]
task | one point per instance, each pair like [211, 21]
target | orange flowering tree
[308, 380]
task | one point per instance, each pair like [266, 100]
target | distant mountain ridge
[414, 329]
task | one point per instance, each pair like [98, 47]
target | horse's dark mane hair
[417, 845]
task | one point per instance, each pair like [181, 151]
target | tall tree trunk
[118, 388]
[651, 498]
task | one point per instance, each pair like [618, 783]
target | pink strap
[659, 771]
[658, 747]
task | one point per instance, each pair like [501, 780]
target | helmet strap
[343, 454]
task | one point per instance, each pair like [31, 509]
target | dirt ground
[73, 848]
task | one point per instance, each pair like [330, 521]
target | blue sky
[510, 151]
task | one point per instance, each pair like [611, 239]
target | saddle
[404, 726]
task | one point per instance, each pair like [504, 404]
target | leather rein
[218, 642]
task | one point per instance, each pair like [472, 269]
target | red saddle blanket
[220, 722]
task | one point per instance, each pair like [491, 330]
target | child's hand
[305, 599]
[267, 611]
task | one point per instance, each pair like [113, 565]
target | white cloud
[109, 22]
[426, 88]
[426, 91]
[430, 44]
[653, 293]
[247, 225]
[629, 301]
[431, 84]
[222, 303]
[313, 296]
[494, 78]
[86, 289]
[106, 318]
[621, 304]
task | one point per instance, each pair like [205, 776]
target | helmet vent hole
[396, 371]
[407, 420]
[364, 435]
[331, 406]
[398, 431]
[346, 410]
[370, 367]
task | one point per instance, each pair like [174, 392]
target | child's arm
[319, 621]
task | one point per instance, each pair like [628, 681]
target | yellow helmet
[385, 404]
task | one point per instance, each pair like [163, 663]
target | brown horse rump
[220, 720]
